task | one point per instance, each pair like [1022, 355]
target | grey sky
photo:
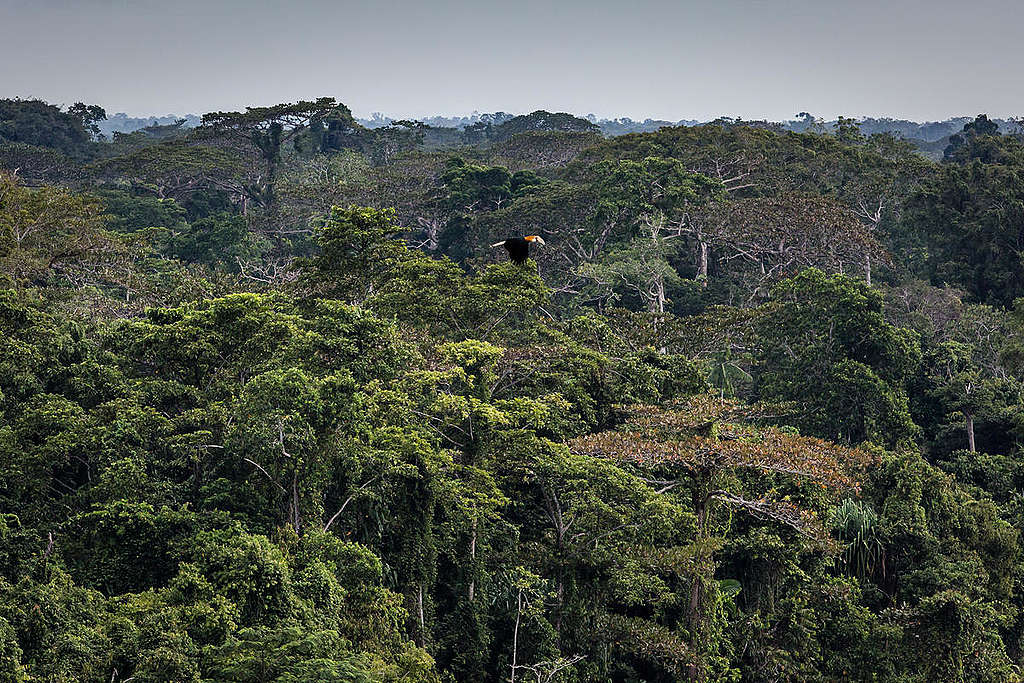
[919, 59]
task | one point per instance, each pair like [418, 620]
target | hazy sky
[919, 59]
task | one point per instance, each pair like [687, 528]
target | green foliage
[249, 434]
[541, 120]
[724, 373]
[855, 524]
[471, 187]
[969, 218]
[51, 236]
[974, 141]
[127, 213]
[655, 184]
[827, 345]
[219, 238]
[356, 254]
[34, 122]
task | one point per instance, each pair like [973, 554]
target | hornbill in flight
[519, 247]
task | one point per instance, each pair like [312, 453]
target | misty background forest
[272, 408]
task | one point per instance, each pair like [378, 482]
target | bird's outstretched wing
[518, 248]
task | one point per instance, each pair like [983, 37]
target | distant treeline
[926, 131]
[122, 123]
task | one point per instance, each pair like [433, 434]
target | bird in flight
[519, 247]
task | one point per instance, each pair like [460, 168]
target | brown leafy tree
[769, 238]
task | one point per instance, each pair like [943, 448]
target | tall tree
[34, 122]
[266, 130]
[826, 344]
[695, 450]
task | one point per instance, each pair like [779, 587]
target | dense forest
[273, 408]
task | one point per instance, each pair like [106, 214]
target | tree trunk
[423, 623]
[696, 615]
[702, 263]
[661, 294]
[472, 555]
[970, 431]
[515, 633]
[555, 511]
[296, 520]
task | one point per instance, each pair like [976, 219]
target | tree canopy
[272, 408]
